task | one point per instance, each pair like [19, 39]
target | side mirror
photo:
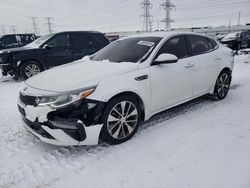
[49, 46]
[165, 59]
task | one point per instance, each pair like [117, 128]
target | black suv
[237, 40]
[49, 51]
[16, 40]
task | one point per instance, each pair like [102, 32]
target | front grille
[28, 100]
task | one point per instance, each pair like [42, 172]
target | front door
[58, 50]
[172, 83]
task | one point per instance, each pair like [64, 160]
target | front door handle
[217, 59]
[189, 65]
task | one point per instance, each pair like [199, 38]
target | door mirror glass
[166, 58]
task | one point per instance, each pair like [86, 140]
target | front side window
[40, 40]
[127, 50]
[176, 46]
[199, 44]
[59, 40]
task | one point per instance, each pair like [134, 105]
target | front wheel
[121, 118]
[222, 85]
[29, 69]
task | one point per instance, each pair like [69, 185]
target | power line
[49, 23]
[239, 18]
[34, 24]
[167, 6]
[146, 5]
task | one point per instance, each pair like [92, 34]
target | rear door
[206, 61]
[82, 44]
[58, 50]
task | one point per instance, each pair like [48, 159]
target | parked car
[49, 51]
[237, 40]
[15, 40]
[108, 94]
[219, 36]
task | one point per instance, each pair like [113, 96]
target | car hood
[78, 75]
[9, 50]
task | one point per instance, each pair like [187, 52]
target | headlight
[59, 101]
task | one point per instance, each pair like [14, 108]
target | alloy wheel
[223, 84]
[32, 70]
[122, 120]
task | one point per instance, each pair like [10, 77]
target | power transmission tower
[34, 24]
[13, 28]
[146, 5]
[167, 6]
[3, 29]
[239, 18]
[49, 23]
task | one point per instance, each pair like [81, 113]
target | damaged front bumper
[77, 124]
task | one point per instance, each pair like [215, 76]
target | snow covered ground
[201, 144]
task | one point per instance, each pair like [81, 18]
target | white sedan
[107, 95]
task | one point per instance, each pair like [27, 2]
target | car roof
[16, 34]
[165, 34]
[92, 32]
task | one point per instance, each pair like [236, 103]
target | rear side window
[214, 44]
[100, 39]
[198, 44]
[84, 43]
[176, 45]
[59, 40]
[26, 39]
[81, 40]
[8, 40]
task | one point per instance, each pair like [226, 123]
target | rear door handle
[189, 65]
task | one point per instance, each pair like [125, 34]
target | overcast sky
[117, 15]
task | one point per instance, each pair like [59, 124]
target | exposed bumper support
[78, 124]
[60, 138]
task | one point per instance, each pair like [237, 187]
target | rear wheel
[29, 69]
[121, 118]
[222, 85]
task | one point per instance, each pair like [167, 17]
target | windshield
[127, 50]
[40, 40]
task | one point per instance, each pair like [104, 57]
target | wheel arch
[226, 69]
[35, 60]
[136, 96]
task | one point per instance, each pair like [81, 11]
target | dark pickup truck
[49, 51]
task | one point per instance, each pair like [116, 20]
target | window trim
[56, 35]
[173, 36]
[211, 50]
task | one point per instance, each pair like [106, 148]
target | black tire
[119, 126]
[34, 67]
[222, 85]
